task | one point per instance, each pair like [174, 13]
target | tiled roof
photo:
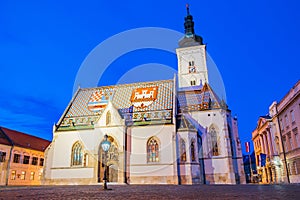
[25, 140]
[150, 100]
[4, 139]
[183, 124]
[199, 99]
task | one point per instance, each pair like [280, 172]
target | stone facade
[21, 158]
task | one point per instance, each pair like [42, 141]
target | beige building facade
[277, 136]
[21, 158]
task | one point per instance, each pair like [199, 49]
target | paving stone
[160, 192]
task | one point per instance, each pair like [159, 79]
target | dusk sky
[255, 45]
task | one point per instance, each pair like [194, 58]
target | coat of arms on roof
[143, 97]
[98, 101]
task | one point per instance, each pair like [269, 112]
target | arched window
[108, 118]
[77, 154]
[193, 157]
[214, 141]
[182, 150]
[152, 150]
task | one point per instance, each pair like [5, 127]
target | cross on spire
[189, 23]
[187, 9]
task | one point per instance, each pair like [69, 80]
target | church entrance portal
[112, 162]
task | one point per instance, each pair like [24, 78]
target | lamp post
[105, 147]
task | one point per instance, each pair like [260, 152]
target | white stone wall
[196, 54]
[139, 136]
[218, 169]
[58, 155]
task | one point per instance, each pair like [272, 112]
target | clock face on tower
[192, 69]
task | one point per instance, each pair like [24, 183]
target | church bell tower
[191, 56]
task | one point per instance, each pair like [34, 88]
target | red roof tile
[3, 139]
[25, 140]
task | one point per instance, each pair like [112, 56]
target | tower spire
[189, 30]
[189, 23]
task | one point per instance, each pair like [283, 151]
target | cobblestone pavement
[153, 192]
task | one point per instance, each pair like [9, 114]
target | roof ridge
[27, 134]
[67, 108]
[6, 136]
[126, 84]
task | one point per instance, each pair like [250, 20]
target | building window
[214, 141]
[191, 63]
[292, 116]
[281, 124]
[284, 143]
[2, 156]
[31, 175]
[277, 144]
[23, 174]
[286, 121]
[13, 175]
[289, 169]
[41, 161]
[26, 159]
[34, 161]
[17, 158]
[193, 82]
[152, 150]
[193, 157]
[40, 176]
[77, 154]
[108, 118]
[290, 141]
[182, 150]
[295, 132]
[295, 167]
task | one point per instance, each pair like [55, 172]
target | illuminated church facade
[174, 131]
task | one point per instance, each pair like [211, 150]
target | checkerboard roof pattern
[119, 95]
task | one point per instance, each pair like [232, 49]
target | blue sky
[255, 45]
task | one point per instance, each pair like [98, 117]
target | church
[176, 131]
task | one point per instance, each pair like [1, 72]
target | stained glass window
[77, 154]
[152, 150]
[193, 151]
[214, 141]
[182, 150]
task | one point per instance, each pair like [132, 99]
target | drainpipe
[8, 165]
[283, 148]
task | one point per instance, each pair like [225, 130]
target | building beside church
[174, 131]
[21, 158]
[276, 140]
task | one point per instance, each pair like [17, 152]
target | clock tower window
[191, 63]
[193, 82]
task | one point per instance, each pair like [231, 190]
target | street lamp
[105, 147]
